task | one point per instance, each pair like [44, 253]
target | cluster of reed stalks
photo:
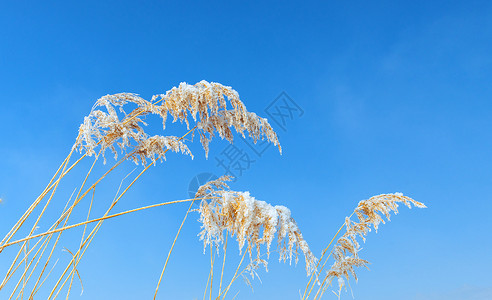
[207, 109]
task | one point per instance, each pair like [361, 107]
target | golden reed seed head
[253, 222]
[212, 108]
[370, 214]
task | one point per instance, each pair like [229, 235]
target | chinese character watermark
[283, 108]
[198, 181]
[234, 160]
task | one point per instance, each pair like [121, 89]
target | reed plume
[253, 222]
[203, 104]
[370, 214]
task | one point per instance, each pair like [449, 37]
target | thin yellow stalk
[206, 286]
[22, 261]
[235, 295]
[29, 265]
[212, 261]
[312, 275]
[21, 221]
[89, 239]
[234, 277]
[69, 211]
[171, 250]
[223, 263]
[89, 189]
[23, 277]
[107, 212]
[53, 178]
[93, 232]
[43, 247]
[32, 230]
[52, 250]
[48, 275]
[104, 218]
[82, 239]
[27, 213]
[319, 261]
[25, 271]
[75, 270]
[323, 288]
[66, 212]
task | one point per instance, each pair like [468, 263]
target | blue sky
[396, 97]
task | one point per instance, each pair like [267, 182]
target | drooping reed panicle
[370, 214]
[253, 222]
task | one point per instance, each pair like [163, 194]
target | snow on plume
[253, 222]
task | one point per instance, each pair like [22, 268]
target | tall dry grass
[207, 110]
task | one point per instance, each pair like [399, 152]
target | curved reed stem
[94, 231]
[234, 277]
[319, 261]
[172, 247]
[82, 239]
[223, 263]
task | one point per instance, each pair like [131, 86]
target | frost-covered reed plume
[370, 214]
[203, 105]
[253, 222]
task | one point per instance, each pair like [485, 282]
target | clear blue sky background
[396, 98]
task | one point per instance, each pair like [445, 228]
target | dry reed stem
[212, 264]
[171, 250]
[210, 275]
[234, 277]
[81, 246]
[21, 221]
[12, 272]
[206, 285]
[32, 230]
[319, 261]
[21, 218]
[223, 264]
[235, 295]
[93, 186]
[327, 258]
[75, 270]
[107, 212]
[97, 226]
[28, 266]
[24, 217]
[43, 247]
[96, 229]
[48, 275]
[52, 250]
[249, 268]
[82, 239]
[69, 213]
[25, 271]
[105, 218]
